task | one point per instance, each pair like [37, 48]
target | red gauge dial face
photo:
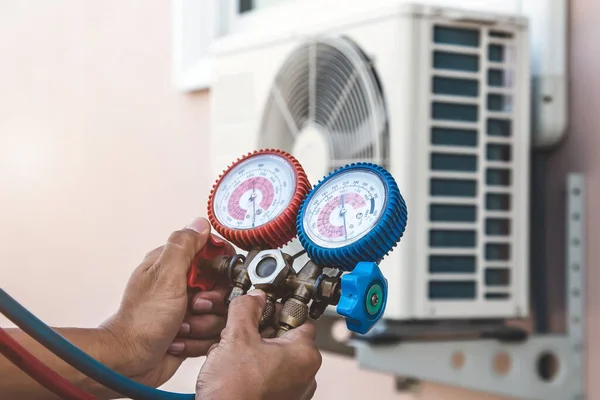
[254, 204]
[254, 192]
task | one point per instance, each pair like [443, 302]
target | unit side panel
[475, 161]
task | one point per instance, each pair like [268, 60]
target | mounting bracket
[539, 366]
[519, 370]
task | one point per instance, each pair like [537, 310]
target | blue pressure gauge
[351, 220]
[354, 214]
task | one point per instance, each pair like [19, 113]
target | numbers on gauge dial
[254, 192]
[345, 208]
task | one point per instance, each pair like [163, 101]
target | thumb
[306, 332]
[243, 316]
[183, 245]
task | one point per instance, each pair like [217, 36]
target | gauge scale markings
[255, 192]
[344, 212]
[253, 185]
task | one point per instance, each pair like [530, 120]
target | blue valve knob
[363, 297]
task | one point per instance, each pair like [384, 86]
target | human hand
[158, 325]
[244, 365]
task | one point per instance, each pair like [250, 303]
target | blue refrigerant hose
[72, 355]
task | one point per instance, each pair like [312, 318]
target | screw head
[374, 299]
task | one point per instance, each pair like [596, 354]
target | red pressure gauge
[254, 203]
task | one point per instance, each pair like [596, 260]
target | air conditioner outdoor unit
[440, 98]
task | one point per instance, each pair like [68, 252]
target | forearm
[98, 343]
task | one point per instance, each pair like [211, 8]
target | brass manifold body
[272, 271]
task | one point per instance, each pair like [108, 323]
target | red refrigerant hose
[33, 367]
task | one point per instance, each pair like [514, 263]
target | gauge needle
[253, 212]
[343, 215]
[252, 199]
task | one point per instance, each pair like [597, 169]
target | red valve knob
[201, 276]
[279, 230]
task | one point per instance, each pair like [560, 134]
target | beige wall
[100, 159]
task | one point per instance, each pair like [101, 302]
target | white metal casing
[399, 39]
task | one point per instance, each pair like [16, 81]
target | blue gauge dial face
[345, 208]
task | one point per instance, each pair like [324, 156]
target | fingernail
[176, 348]
[257, 293]
[199, 225]
[201, 305]
[185, 328]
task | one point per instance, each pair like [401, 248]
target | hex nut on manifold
[267, 268]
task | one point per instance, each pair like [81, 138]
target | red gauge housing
[275, 233]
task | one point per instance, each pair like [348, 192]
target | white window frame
[196, 24]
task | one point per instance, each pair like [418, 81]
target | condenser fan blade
[326, 107]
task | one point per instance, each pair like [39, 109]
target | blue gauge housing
[372, 246]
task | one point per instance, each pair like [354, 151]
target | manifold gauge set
[347, 223]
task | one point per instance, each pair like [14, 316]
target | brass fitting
[233, 268]
[236, 291]
[273, 272]
[269, 311]
[292, 315]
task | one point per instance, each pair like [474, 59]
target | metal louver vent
[470, 146]
[326, 107]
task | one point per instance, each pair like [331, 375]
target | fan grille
[330, 86]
